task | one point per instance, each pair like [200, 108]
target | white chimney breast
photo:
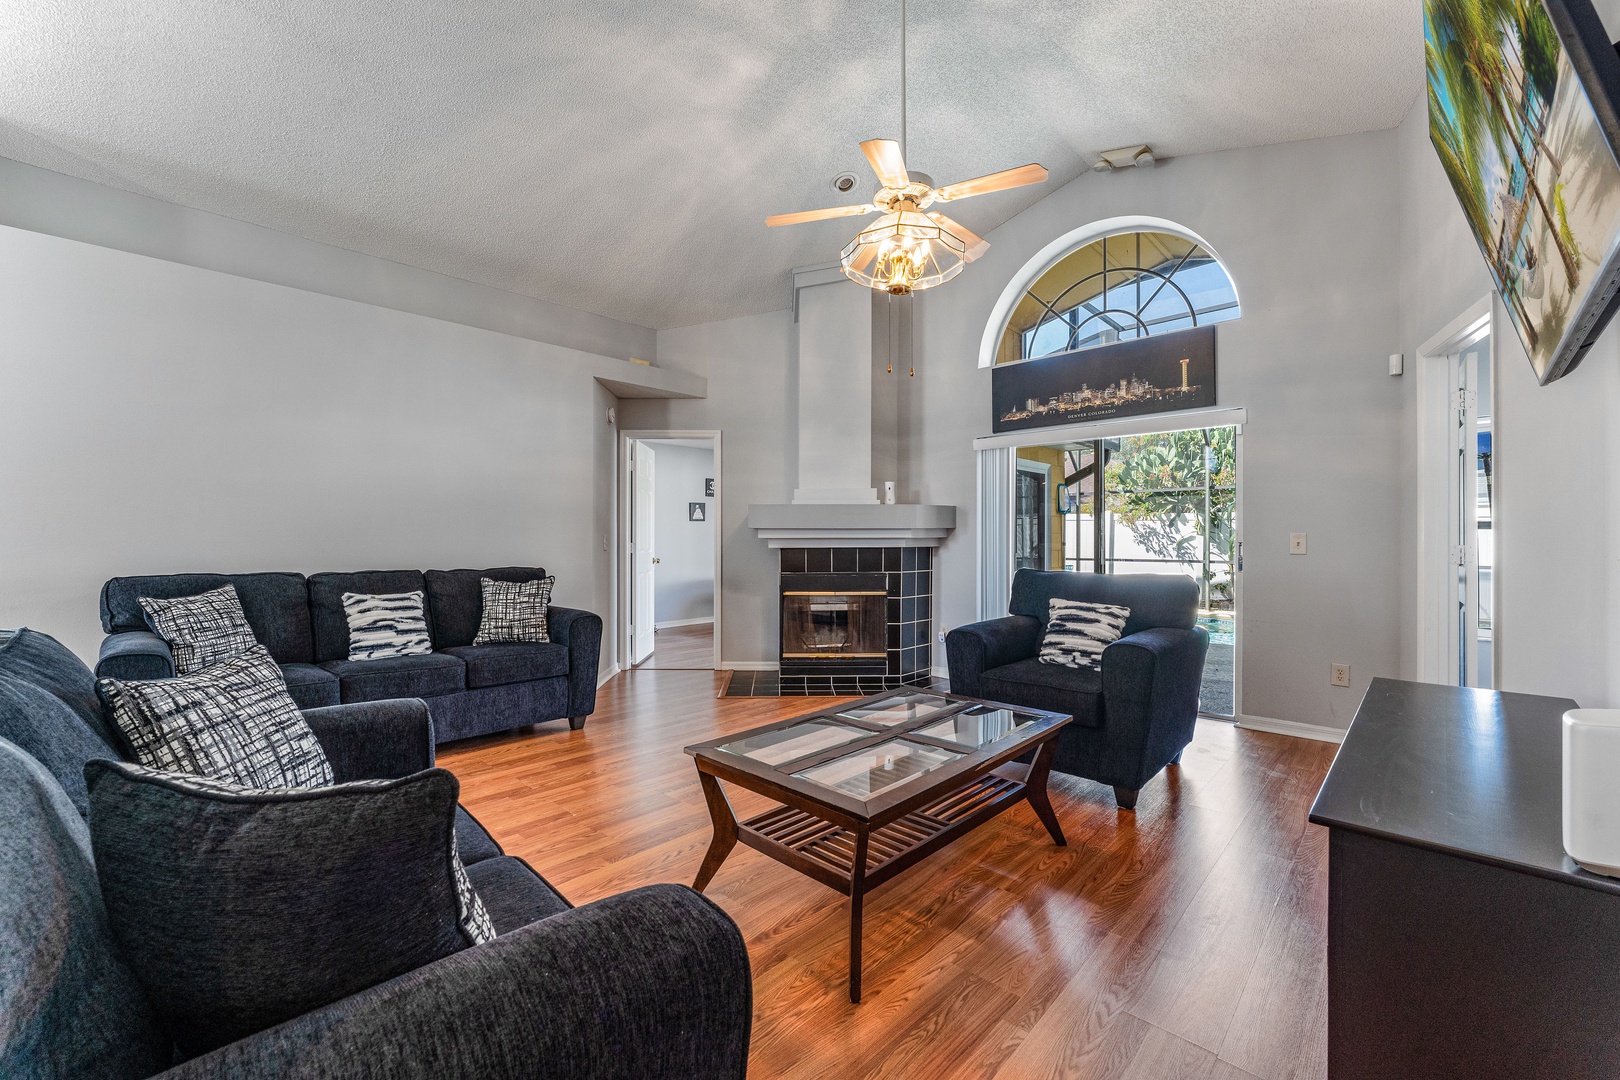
[835, 395]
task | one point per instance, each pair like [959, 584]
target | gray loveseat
[649, 983]
[470, 689]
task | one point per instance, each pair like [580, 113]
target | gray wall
[753, 385]
[684, 583]
[1556, 453]
[160, 417]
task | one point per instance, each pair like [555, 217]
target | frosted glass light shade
[904, 251]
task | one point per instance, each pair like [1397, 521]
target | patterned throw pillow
[387, 624]
[202, 629]
[514, 611]
[239, 909]
[1079, 632]
[233, 721]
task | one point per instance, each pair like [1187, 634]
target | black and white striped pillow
[232, 721]
[514, 611]
[1079, 632]
[202, 629]
[388, 624]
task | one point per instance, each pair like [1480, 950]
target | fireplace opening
[834, 624]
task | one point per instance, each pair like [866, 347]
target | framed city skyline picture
[1161, 373]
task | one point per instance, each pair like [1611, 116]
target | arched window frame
[1059, 249]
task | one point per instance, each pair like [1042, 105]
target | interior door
[643, 558]
[1473, 490]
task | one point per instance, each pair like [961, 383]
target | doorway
[1160, 503]
[1472, 504]
[670, 549]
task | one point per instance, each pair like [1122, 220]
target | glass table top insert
[792, 743]
[902, 708]
[879, 768]
[978, 726]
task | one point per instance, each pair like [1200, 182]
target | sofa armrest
[581, 631]
[135, 654]
[374, 740]
[973, 649]
[1151, 680]
[652, 983]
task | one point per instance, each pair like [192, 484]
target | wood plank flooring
[682, 647]
[1186, 940]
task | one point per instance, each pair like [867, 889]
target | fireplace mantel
[797, 525]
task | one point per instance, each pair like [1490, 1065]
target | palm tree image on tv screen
[1522, 147]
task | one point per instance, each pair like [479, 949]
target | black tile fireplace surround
[855, 620]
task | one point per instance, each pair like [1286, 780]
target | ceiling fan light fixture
[902, 252]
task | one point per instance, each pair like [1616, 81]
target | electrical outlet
[1296, 543]
[1341, 674]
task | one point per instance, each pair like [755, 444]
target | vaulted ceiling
[621, 157]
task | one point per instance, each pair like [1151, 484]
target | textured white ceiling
[621, 157]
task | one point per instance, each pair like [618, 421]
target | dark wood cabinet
[1462, 940]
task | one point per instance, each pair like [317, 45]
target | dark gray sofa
[470, 689]
[1133, 717]
[649, 983]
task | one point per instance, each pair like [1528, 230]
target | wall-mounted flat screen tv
[1524, 111]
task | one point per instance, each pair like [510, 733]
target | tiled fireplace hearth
[855, 620]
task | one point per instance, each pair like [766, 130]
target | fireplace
[855, 620]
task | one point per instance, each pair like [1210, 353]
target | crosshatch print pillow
[1079, 632]
[386, 624]
[239, 909]
[233, 721]
[202, 629]
[514, 611]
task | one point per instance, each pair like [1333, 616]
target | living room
[328, 304]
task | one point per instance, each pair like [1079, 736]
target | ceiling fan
[911, 247]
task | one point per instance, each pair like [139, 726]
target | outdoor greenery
[1492, 75]
[1155, 486]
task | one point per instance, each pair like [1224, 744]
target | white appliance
[1592, 789]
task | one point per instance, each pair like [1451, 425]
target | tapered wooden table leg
[857, 899]
[725, 830]
[1035, 791]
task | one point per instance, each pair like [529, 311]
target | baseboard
[683, 622]
[603, 678]
[747, 665]
[1292, 727]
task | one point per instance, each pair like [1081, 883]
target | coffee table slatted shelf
[873, 787]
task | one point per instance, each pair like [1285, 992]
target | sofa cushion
[513, 894]
[1154, 599]
[71, 1005]
[499, 665]
[1034, 685]
[473, 841]
[200, 630]
[1080, 631]
[398, 676]
[382, 625]
[514, 611]
[311, 687]
[232, 721]
[329, 624]
[276, 606]
[240, 909]
[48, 707]
[456, 602]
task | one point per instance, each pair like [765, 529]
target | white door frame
[1436, 648]
[621, 539]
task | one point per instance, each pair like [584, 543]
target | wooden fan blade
[820, 215]
[884, 154]
[976, 245]
[996, 181]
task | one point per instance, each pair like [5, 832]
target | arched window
[1123, 286]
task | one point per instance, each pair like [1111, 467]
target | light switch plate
[1296, 543]
[1341, 674]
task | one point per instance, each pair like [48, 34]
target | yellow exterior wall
[1048, 455]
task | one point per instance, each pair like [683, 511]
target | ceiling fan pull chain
[911, 336]
[889, 316]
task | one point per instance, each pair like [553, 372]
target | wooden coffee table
[874, 786]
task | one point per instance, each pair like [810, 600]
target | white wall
[160, 417]
[684, 589]
[1555, 451]
[753, 386]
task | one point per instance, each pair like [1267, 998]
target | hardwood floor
[687, 647]
[1186, 940]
